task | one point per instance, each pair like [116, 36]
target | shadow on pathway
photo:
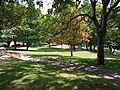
[108, 74]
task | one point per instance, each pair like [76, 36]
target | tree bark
[61, 46]
[91, 48]
[86, 45]
[94, 48]
[8, 43]
[28, 45]
[71, 50]
[100, 51]
[15, 47]
[110, 49]
[79, 47]
[49, 44]
[74, 48]
[23, 44]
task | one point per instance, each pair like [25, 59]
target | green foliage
[113, 37]
[7, 35]
[113, 34]
[27, 35]
[114, 18]
[45, 26]
[31, 12]
[11, 14]
[61, 5]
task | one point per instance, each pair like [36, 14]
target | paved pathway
[73, 67]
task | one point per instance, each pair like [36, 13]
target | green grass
[112, 62]
[56, 51]
[26, 75]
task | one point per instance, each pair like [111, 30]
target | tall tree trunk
[23, 44]
[49, 44]
[110, 49]
[28, 45]
[86, 45]
[74, 48]
[91, 47]
[100, 51]
[15, 47]
[94, 48]
[79, 47]
[8, 43]
[71, 50]
[61, 46]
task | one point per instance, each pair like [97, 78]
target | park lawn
[112, 62]
[26, 75]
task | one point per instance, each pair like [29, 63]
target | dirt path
[108, 74]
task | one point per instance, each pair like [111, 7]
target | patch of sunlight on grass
[45, 75]
[73, 76]
[25, 79]
[113, 58]
[93, 76]
[68, 76]
[1, 69]
[53, 73]
[85, 54]
[2, 72]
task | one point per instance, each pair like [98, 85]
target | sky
[48, 4]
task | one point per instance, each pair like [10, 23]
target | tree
[113, 34]
[27, 35]
[12, 15]
[100, 25]
[7, 36]
[15, 14]
[113, 39]
[45, 26]
[75, 34]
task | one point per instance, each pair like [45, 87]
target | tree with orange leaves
[75, 34]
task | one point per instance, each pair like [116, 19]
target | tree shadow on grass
[26, 75]
[50, 49]
[112, 64]
[112, 56]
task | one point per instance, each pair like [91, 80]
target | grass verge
[25, 75]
